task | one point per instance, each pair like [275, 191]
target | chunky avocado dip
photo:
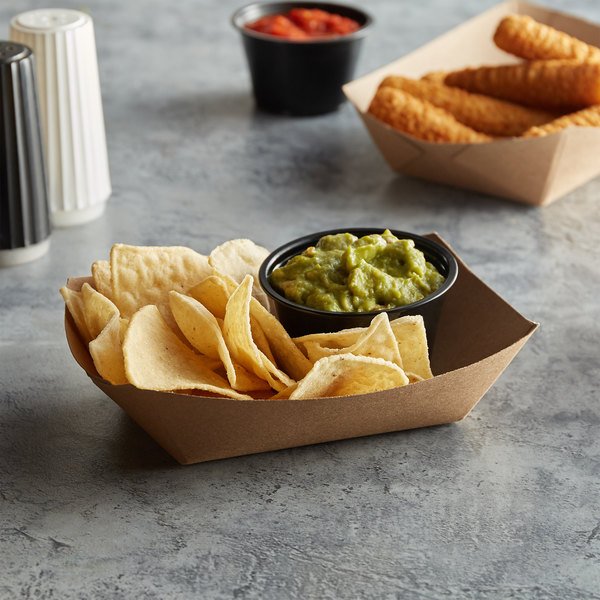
[344, 273]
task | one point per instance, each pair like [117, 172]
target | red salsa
[304, 24]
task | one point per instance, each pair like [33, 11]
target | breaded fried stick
[421, 119]
[552, 84]
[525, 37]
[435, 76]
[482, 113]
[588, 117]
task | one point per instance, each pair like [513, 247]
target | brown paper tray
[479, 335]
[533, 171]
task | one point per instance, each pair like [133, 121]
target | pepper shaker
[24, 219]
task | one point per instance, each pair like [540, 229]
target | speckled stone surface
[502, 505]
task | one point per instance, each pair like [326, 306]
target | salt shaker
[70, 109]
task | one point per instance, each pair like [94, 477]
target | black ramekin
[300, 77]
[301, 320]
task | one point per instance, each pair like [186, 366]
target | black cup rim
[358, 34]
[299, 244]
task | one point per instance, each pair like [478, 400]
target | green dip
[343, 273]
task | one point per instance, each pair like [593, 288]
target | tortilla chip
[284, 394]
[98, 310]
[286, 353]
[410, 335]
[238, 258]
[102, 279]
[213, 293]
[336, 339]
[237, 331]
[196, 323]
[145, 275]
[74, 302]
[156, 359]
[377, 341]
[413, 377]
[258, 335]
[347, 374]
[412, 340]
[280, 348]
[202, 330]
[107, 351]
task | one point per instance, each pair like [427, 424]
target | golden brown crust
[525, 37]
[551, 84]
[420, 118]
[588, 117]
[435, 76]
[482, 113]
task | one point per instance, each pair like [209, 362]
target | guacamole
[344, 273]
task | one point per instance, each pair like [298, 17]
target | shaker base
[18, 256]
[70, 218]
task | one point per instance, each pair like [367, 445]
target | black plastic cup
[24, 214]
[300, 78]
[301, 320]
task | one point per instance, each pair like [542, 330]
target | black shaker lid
[11, 51]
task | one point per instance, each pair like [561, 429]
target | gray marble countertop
[502, 505]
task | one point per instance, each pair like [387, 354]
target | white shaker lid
[49, 20]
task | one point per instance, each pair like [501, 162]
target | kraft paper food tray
[479, 334]
[533, 171]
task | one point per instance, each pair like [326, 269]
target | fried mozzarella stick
[482, 113]
[588, 117]
[525, 37]
[420, 119]
[552, 84]
[435, 76]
